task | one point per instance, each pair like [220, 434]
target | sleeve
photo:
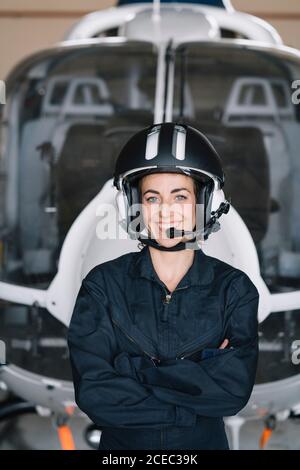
[219, 384]
[106, 396]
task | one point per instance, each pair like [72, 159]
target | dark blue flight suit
[146, 363]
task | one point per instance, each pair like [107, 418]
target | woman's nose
[165, 210]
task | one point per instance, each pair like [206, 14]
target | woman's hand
[224, 344]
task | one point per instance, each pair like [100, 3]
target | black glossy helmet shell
[169, 147]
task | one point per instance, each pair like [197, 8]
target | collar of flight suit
[200, 273]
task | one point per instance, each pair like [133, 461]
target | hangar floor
[34, 432]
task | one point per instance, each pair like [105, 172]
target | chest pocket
[199, 323]
[206, 313]
[131, 338]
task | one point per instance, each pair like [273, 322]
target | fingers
[224, 344]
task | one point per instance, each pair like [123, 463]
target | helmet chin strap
[179, 246]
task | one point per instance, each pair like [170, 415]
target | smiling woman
[163, 342]
[169, 200]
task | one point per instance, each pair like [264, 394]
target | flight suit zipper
[167, 300]
[189, 354]
[196, 350]
[168, 296]
[182, 354]
[154, 359]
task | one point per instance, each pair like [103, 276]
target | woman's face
[168, 200]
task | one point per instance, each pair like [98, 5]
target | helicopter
[69, 110]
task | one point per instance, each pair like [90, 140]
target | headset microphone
[173, 232]
[213, 225]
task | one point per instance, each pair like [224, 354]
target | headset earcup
[121, 204]
[136, 201]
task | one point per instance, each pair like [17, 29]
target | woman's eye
[152, 197]
[149, 199]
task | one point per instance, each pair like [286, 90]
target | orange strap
[264, 438]
[65, 437]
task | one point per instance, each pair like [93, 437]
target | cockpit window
[74, 110]
[242, 98]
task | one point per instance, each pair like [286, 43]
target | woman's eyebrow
[173, 191]
[180, 189]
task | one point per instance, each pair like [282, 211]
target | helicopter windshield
[70, 114]
[245, 100]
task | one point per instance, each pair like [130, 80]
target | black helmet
[173, 148]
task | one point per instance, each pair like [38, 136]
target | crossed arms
[118, 390]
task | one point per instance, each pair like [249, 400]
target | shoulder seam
[91, 273]
[243, 274]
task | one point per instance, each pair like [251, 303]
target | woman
[164, 342]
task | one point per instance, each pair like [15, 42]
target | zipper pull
[155, 361]
[166, 302]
